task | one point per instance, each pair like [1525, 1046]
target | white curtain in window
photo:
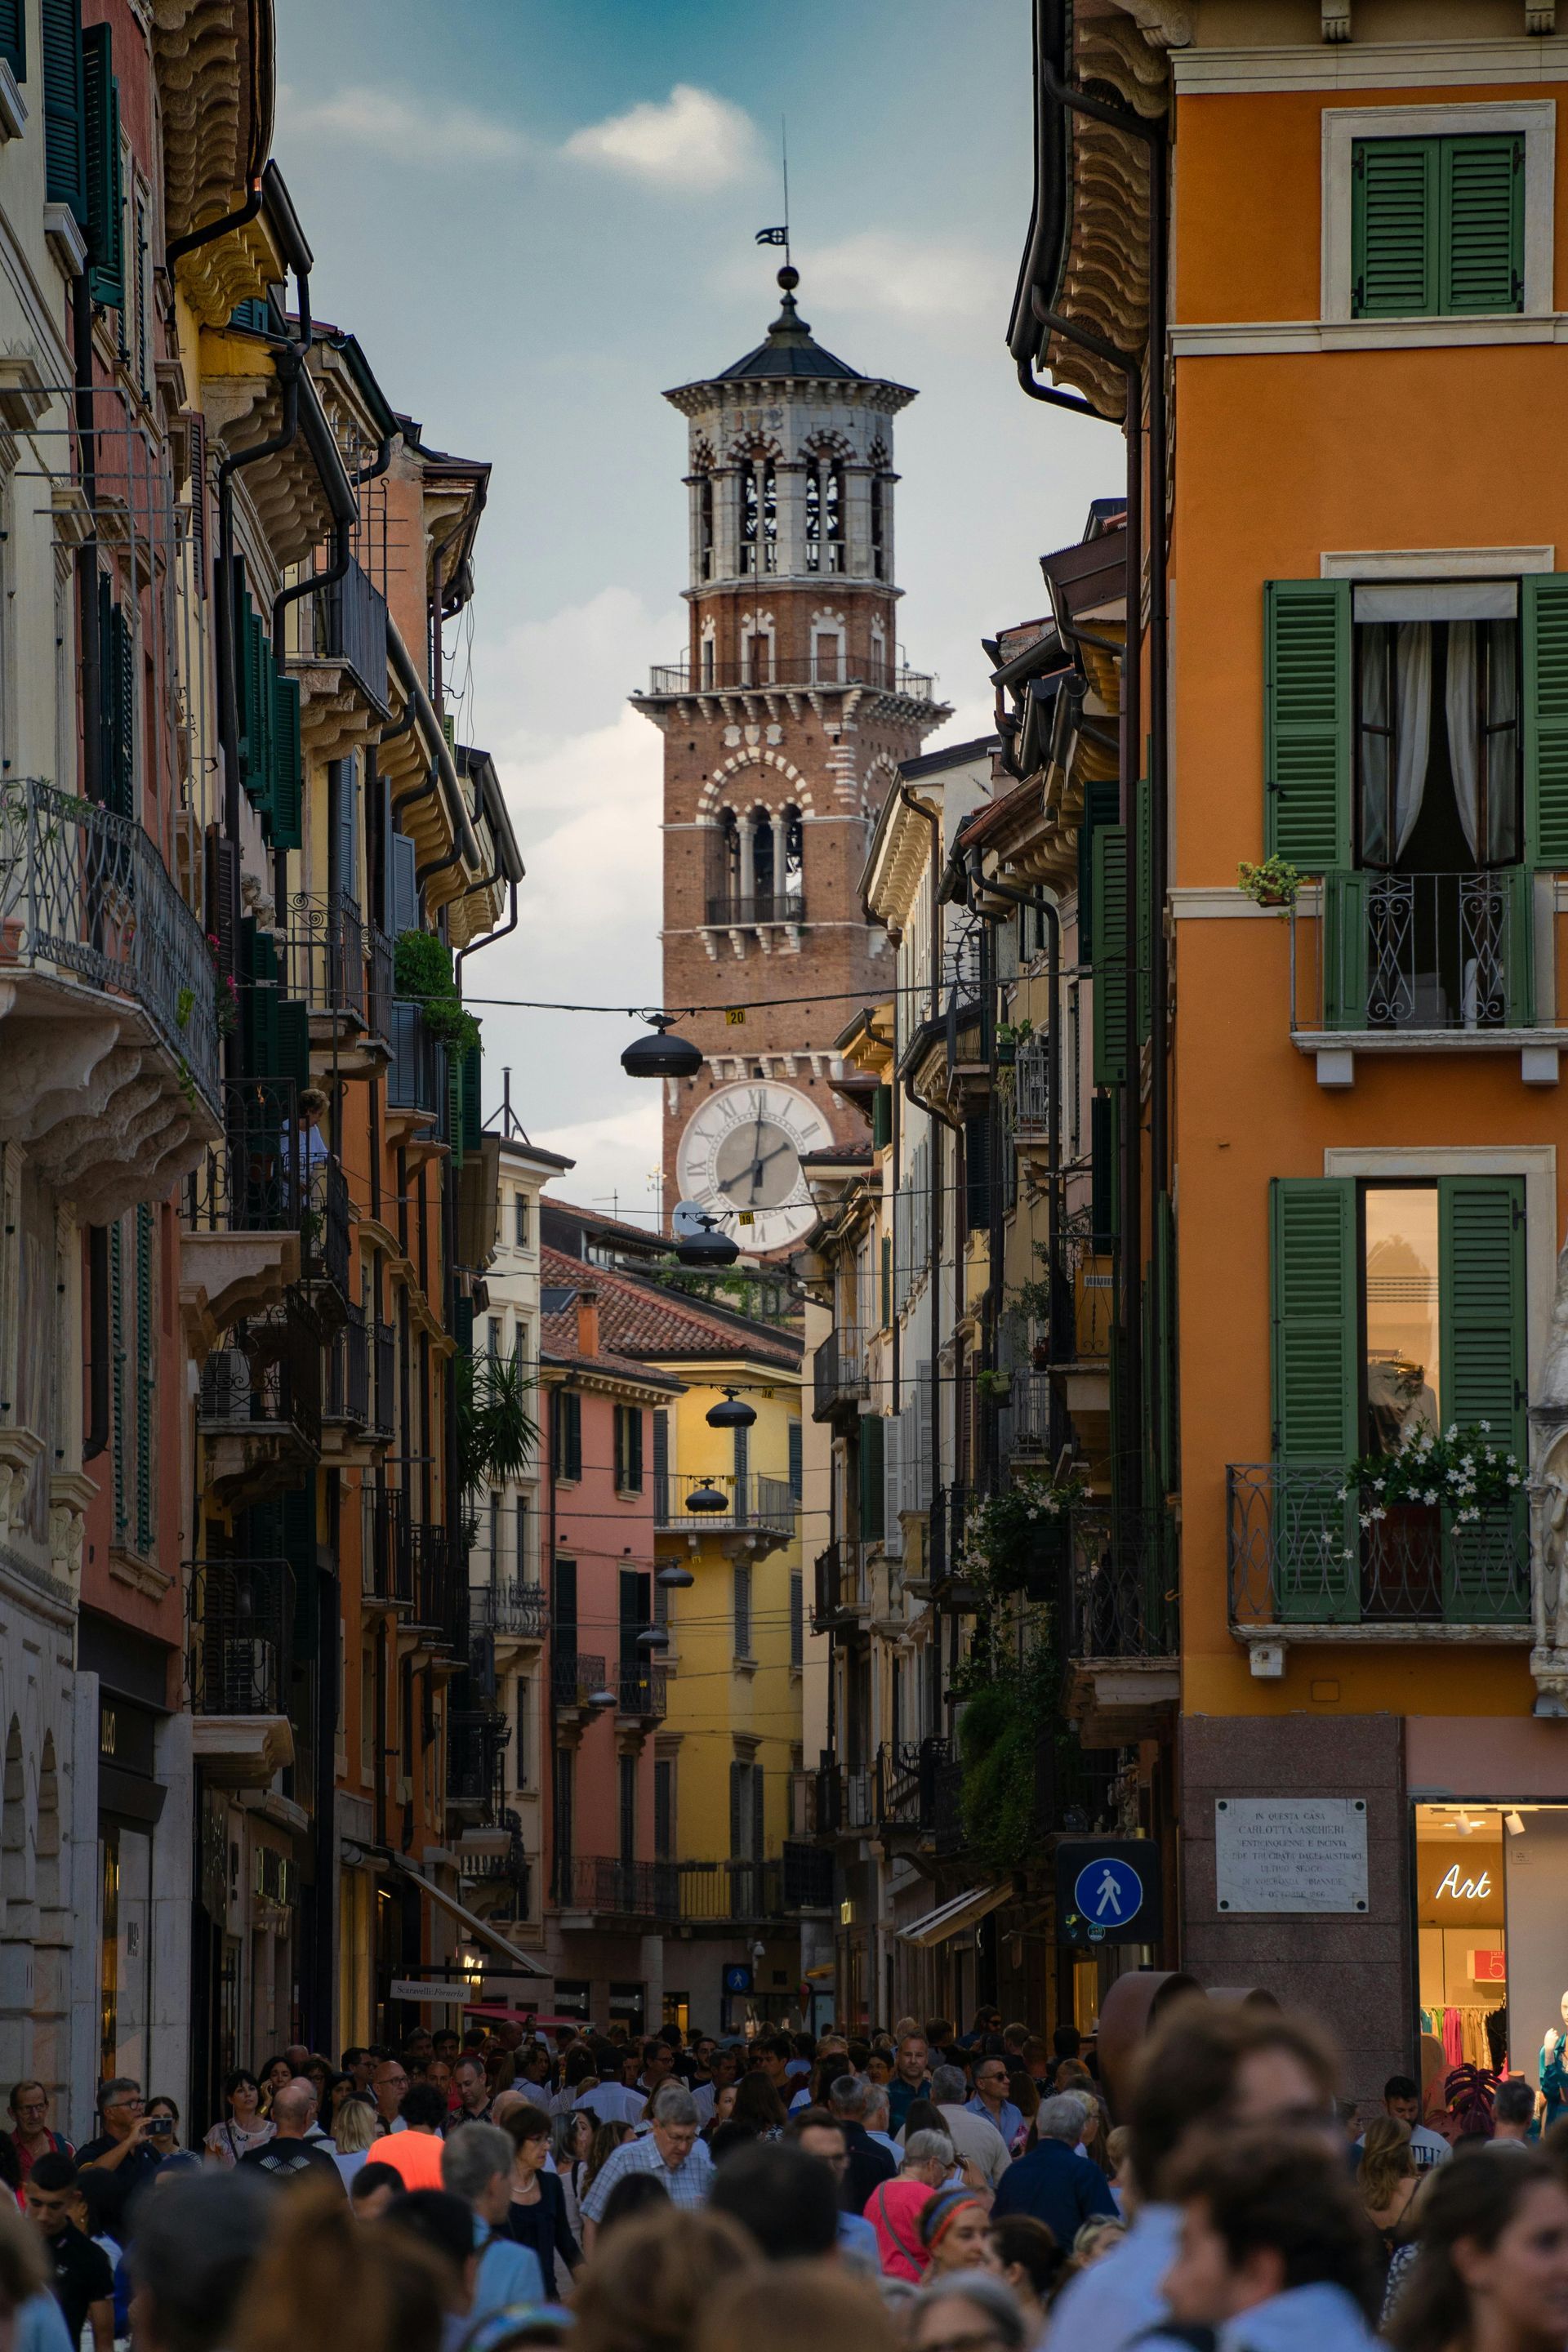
[1459, 706]
[1375, 748]
[1412, 726]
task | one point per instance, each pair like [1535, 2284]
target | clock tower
[783, 727]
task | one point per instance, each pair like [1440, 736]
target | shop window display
[1491, 1897]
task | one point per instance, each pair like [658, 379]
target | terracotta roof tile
[639, 1319]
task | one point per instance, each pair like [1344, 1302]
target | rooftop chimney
[587, 1322]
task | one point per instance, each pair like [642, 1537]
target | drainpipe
[490, 937]
[257, 50]
[86, 553]
[286, 363]
[933, 1275]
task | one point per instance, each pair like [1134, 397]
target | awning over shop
[482, 1930]
[952, 1918]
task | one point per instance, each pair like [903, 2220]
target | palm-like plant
[496, 1433]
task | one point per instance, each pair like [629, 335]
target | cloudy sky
[538, 215]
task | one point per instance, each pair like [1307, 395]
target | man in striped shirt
[671, 2151]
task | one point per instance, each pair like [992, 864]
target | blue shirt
[1059, 2188]
[41, 2326]
[687, 2184]
[857, 2243]
[1121, 2297]
[508, 2274]
[1009, 2122]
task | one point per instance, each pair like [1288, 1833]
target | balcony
[1428, 962]
[386, 1556]
[843, 1587]
[1304, 1568]
[607, 1889]
[109, 1071]
[440, 1589]
[642, 1692]
[762, 674]
[324, 1228]
[378, 979]
[241, 1210]
[1124, 1639]
[476, 1740]
[340, 660]
[1032, 1090]
[726, 914]
[909, 1781]
[762, 1510]
[416, 1081]
[325, 946]
[839, 1379]
[1023, 1422]
[351, 627]
[259, 1410]
[516, 1615]
[238, 1664]
[576, 1676]
[384, 1394]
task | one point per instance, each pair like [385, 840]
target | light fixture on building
[1514, 1824]
[653, 1637]
[602, 1698]
[674, 1576]
[656, 1055]
[709, 1250]
[707, 1499]
[731, 1411]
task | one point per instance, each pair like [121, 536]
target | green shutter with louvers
[1314, 1563]
[65, 106]
[1307, 722]
[288, 775]
[881, 1117]
[472, 1114]
[1345, 948]
[13, 36]
[292, 1051]
[1545, 618]
[872, 1431]
[1481, 1304]
[1101, 801]
[1107, 953]
[1482, 212]
[144, 1379]
[1481, 1307]
[105, 192]
[1394, 213]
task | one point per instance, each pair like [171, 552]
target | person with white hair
[1057, 2186]
[671, 2151]
[973, 2136]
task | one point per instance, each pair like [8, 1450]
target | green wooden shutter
[1107, 953]
[288, 777]
[1482, 207]
[472, 1112]
[1515, 915]
[1345, 948]
[293, 1042]
[13, 36]
[1482, 1307]
[872, 1431]
[1394, 213]
[105, 192]
[1481, 1304]
[1101, 801]
[1143, 930]
[1307, 722]
[881, 1117]
[1545, 617]
[1103, 1172]
[1315, 1398]
[885, 1287]
[144, 1378]
[65, 106]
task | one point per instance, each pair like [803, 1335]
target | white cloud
[694, 141]
[617, 1158]
[900, 274]
[403, 129]
[552, 678]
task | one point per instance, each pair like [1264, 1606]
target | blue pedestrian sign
[1107, 1891]
[1106, 1894]
[737, 1977]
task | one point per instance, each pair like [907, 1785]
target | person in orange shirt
[416, 2154]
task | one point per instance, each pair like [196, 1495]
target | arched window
[878, 527]
[724, 869]
[705, 527]
[825, 515]
[759, 515]
[763, 863]
[793, 888]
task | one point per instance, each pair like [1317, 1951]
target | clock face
[740, 1157]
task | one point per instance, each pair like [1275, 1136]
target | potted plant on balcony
[1402, 1500]
[1275, 883]
[1011, 1537]
[1010, 1035]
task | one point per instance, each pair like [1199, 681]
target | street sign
[411, 1989]
[737, 1978]
[1107, 1891]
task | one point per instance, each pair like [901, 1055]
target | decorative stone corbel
[1336, 16]
[1164, 24]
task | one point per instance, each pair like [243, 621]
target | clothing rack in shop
[1468, 2035]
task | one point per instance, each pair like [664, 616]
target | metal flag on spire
[780, 235]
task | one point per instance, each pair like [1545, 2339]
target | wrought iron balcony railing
[378, 978]
[839, 1371]
[476, 1740]
[86, 891]
[270, 1378]
[1124, 1583]
[440, 1585]
[384, 1396]
[1374, 951]
[1300, 1555]
[324, 1224]
[760, 672]
[241, 1623]
[625, 1890]
[907, 1779]
[1024, 1422]
[386, 1554]
[576, 1676]
[642, 1691]
[842, 1586]
[351, 626]
[326, 953]
[249, 1181]
[348, 1374]
[751, 1501]
[512, 1610]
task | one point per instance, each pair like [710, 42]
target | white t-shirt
[1426, 2147]
[614, 2104]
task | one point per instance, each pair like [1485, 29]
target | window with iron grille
[742, 1609]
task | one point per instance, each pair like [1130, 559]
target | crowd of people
[919, 2191]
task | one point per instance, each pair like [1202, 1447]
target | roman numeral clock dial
[740, 1155]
